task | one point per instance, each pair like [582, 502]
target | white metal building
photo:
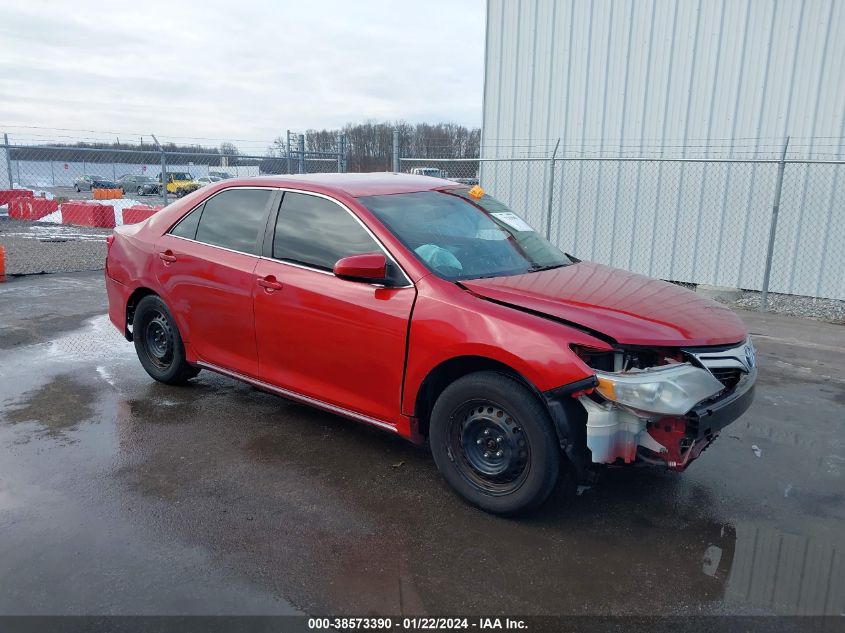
[711, 79]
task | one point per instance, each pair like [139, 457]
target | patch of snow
[38, 193]
[54, 218]
[105, 375]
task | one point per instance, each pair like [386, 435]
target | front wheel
[158, 343]
[494, 443]
[140, 191]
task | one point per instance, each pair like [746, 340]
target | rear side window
[234, 219]
[317, 232]
[187, 226]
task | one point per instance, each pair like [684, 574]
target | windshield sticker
[512, 220]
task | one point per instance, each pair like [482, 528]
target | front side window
[317, 232]
[234, 219]
[458, 237]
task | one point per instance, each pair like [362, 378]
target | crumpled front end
[669, 412]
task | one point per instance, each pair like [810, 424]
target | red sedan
[431, 310]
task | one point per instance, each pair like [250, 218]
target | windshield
[459, 238]
[180, 176]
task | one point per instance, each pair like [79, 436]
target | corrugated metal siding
[665, 78]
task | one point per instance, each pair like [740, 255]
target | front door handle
[269, 283]
[167, 257]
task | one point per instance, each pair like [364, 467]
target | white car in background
[207, 180]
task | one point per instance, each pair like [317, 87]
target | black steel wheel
[491, 451]
[493, 441]
[158, 342]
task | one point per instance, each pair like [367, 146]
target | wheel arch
[132, 303]
[450, 370]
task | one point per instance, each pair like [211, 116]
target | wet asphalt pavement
[119, 495]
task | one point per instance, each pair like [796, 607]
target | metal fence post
[764, 297]
[301, 153]
[8, 159]
[163, 171]
[344, 142]
[396, 150]
[551, 192]
[339, 153]
[287, 138]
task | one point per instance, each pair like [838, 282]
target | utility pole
[287, 139]
[773, 228]
[8, 159]
[396, 165]
[550, 201]
[163, 170]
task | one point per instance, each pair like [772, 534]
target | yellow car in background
[179, 183]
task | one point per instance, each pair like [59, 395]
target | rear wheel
[494, 443]
[140, 191]
[158, 343]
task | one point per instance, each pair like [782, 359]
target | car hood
[629, 308]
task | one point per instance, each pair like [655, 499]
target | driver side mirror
[368, 268]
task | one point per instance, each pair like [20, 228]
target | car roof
[354, 185]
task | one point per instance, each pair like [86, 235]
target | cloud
[239, 69]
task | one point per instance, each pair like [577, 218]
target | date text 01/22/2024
[419, 623]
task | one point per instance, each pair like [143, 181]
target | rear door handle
[167, 257]
[269, 283]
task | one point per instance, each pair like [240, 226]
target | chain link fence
[770, 224]
[48, 190]
[695, 221]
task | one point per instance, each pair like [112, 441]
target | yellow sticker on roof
[476, 192]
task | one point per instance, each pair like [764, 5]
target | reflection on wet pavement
[219, 498]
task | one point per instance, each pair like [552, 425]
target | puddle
[55, 408]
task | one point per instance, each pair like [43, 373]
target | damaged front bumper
[617, 434]
[666, 415]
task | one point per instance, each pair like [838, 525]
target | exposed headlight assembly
[668, 390]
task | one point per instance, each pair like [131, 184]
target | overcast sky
[238, 69]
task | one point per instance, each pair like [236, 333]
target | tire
[77, 188]
[158, 343]
[140, 191]
[179, 193]
[494, 443]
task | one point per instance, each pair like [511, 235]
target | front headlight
[670, 390]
